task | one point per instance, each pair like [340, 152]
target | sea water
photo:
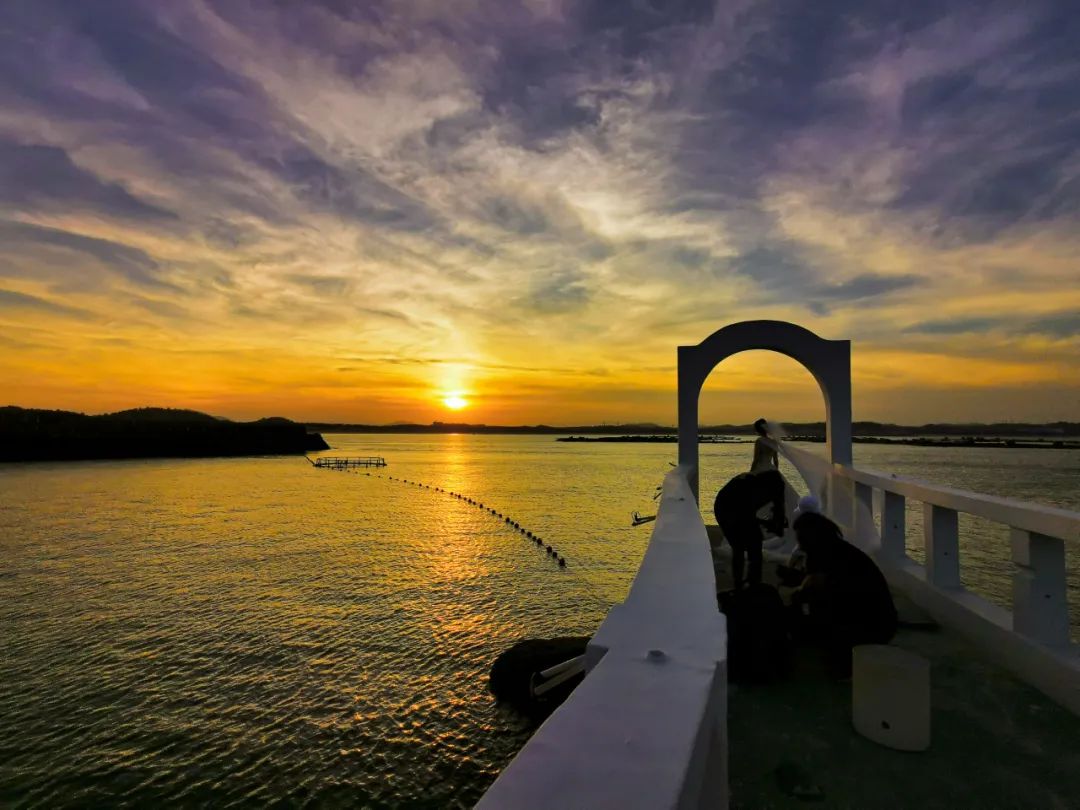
[237, 632]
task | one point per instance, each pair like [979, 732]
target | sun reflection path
[547, 548]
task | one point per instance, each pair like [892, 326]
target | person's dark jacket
[843, 583]
[739, 500]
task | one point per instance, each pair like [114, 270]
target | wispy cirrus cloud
[12, 300]
[595, 181]
[1063, 326]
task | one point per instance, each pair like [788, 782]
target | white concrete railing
[1033, 638]
[647, 728]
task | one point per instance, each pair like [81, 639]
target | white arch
[829, 361]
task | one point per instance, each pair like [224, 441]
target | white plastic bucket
[890, 696]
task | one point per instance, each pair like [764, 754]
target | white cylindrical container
[890, 696]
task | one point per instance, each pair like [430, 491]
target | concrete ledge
[628, 737]
[647, 728]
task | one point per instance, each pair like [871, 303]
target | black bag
[759, 644]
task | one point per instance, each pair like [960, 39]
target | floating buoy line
[510, 523]
[519, 675]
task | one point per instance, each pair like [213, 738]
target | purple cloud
[614, 160]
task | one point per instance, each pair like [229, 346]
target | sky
[354, 211]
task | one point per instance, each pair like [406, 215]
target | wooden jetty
[346, 462]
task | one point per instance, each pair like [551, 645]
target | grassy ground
[996, 742]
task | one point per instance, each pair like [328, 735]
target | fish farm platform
[346, 463]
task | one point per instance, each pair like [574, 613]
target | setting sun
[455, 403]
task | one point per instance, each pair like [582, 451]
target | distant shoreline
[28, 434]
[807, 431]
[913, 441]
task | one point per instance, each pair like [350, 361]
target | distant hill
[165, 415]
[809, 429]
[28, 434]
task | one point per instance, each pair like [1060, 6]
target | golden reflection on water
[453, 475]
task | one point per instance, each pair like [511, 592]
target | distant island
[29, 434]
[804, 431]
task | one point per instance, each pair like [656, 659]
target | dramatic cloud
[226, 204]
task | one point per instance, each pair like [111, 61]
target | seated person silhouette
[844, 599]
[736, 507]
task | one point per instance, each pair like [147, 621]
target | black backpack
[759, 642]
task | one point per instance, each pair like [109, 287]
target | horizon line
[550, 426]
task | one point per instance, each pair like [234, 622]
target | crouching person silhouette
[844, 599]
[736, 507]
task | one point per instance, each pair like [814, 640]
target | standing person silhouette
[736, 510]
[765, 455]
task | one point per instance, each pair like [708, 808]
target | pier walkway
[997, 742]
[346, 462]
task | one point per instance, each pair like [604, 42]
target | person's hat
[807, 503]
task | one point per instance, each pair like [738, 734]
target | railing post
[864, 508]
[942, 538]
[893, 526]
[1040, 610]
[839, 503]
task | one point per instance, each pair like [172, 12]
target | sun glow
[455, 402]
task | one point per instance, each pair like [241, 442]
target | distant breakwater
[38, 435]
[914, 441]
[956, 441]
[661, 439]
